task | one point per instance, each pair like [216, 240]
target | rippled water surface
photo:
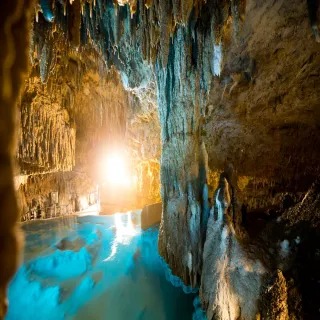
[95, 268]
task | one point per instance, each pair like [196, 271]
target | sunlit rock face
[47, 135]
[231, 280]
[73, 110]
[62, 123]
[179, 240]
[143, 139]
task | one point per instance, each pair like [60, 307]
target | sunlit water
[95, 268]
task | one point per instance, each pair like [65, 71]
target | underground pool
[96, 267]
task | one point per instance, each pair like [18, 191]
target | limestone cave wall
[262, 112]
[14, 32]
[72, 115]
[47, 137]
[143, 141]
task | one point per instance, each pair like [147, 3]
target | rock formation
[274, 304]
[15, 28]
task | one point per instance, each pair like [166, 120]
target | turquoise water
[95, 268]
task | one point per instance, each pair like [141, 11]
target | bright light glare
[115, 170]
[125, 231]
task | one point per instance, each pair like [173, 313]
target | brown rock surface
[274, 301]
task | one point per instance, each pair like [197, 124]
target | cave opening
[160, 159]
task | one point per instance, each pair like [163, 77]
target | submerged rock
[63, 264]
[73, 245]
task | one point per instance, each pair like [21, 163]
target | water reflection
[95, 268]
[124, 232]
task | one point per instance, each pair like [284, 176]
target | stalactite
[148, 3]
[74, 20]
[165, 18]
[46, 60]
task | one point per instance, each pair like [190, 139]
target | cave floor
[95, 268]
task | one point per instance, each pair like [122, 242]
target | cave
[160, 159]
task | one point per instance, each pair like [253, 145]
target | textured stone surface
[77, 112]
[230, 278]
[301, 223]
[144, 142]
[14, 37]
[62, 124]
[179, 239]
[274, 301]
[263, 117]
[74, 192]
[308, 210]
[47, 139]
